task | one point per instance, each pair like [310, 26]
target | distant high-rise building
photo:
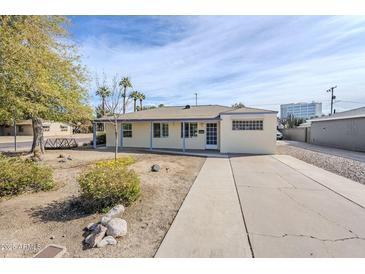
[301, 110]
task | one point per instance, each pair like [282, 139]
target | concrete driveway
[288, 208]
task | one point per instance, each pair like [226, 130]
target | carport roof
[201, 112]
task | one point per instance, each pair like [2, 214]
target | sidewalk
[209, 222]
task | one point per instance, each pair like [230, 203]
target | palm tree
[103, 92]
[125, 83]
[134, 95]
[141, 97]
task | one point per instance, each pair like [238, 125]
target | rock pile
[109, 227]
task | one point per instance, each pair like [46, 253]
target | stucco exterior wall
[27, 130]
[249, 141]
[141, 136]
[55, 129]
[296, 134]
[9, 130]
[343, 133]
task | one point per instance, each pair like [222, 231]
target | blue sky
[262, 61]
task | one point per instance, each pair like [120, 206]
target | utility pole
[196, 99]
[333, 97]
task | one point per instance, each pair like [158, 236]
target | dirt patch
[31, 221]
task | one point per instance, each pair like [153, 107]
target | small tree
[114, 106]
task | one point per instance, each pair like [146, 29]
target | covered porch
[170, 135]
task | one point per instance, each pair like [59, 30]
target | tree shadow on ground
[60, 211]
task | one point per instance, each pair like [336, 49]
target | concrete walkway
[209, 222]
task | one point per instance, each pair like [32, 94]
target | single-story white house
[222, 128]
[24, 128]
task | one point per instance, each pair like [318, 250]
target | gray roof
[201, 112]
[352, 113]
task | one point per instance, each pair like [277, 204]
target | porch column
[183, 133]
[94, 135]
[121, 134]
[151, 126]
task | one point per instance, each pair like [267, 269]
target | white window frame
[163, 130]
[128, 130]
[188, 130]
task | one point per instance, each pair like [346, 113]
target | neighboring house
[24, 128]
[343, 130]
[243, 130]
[301, 110]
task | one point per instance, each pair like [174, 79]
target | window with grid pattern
[127, 130]
[191, 130]
[248, 125]
[160, 130]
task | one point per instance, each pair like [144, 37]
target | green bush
[100, 139]
[109, 183]
[21, 175]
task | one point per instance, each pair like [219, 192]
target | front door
[211, 136]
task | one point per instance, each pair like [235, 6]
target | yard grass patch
[108, 183]
[19, 175]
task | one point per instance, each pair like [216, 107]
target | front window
[190, 130]
[46, 127]
[160, 130]
[63, 128]
[127, 130]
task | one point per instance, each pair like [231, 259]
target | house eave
[156, 120]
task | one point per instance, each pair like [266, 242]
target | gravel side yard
[51, 217]
[345, 167]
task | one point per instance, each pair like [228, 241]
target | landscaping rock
[91, 226]
[108, 240]
[116, 211]
[69, 158]
[105, 220]
[96, 236]
[116, 227]
[155, 168]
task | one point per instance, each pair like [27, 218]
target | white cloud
[259, 60]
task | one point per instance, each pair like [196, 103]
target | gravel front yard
[345, 167]
[45, 218]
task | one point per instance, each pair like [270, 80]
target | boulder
[105, 219]
[116, 227]
[116, 211]
[108, 240]
[155, 168]
[96, 236]
[91, 226]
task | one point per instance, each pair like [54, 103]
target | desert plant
[108, 183]
[21, 175]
